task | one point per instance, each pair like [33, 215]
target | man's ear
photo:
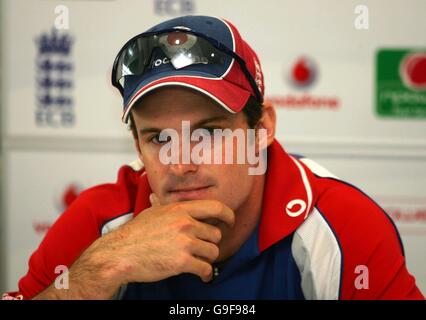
[134, 131]
[268, 122]
[137, 147]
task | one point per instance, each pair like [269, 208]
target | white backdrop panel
[36, 180]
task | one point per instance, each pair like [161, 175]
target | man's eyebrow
[148, 130]
[203, 122]
[198, 124]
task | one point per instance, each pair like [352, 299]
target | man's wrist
[96, 274]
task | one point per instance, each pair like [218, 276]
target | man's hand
[168, 240]
[162, 241]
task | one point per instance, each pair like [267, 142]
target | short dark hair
[253, 111]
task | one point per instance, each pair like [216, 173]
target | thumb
[155, 202]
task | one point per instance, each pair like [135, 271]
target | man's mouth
[190, 193]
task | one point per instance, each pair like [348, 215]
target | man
[195, 229]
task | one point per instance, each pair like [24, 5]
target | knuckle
[177, 207]
[217, 206]
[190, 244]
[186, 243]
[217, 234]
[207, 270]
[185, 224]
[215, 252]
[182, 262]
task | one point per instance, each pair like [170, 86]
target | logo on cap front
[176, 41]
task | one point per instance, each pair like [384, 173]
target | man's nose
[181, 169]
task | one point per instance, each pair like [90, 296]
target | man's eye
[210, 131]
[156, 139]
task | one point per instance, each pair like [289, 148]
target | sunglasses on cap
[150, 52]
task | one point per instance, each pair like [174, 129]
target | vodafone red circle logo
[66, 196]
[304, 72]
[413, 71]
[69, 195]
[63, 198]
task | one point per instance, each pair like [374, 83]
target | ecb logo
[174, 7]
[54, 74]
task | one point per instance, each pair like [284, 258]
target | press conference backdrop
[347, 79]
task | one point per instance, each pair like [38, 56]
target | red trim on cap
[226, 93]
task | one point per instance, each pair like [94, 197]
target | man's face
[166, 108]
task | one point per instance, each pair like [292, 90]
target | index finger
[205, 209]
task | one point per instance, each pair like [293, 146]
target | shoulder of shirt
[346, 208]
[112, 204]
[345, 230]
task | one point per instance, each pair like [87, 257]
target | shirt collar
[288, 197]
